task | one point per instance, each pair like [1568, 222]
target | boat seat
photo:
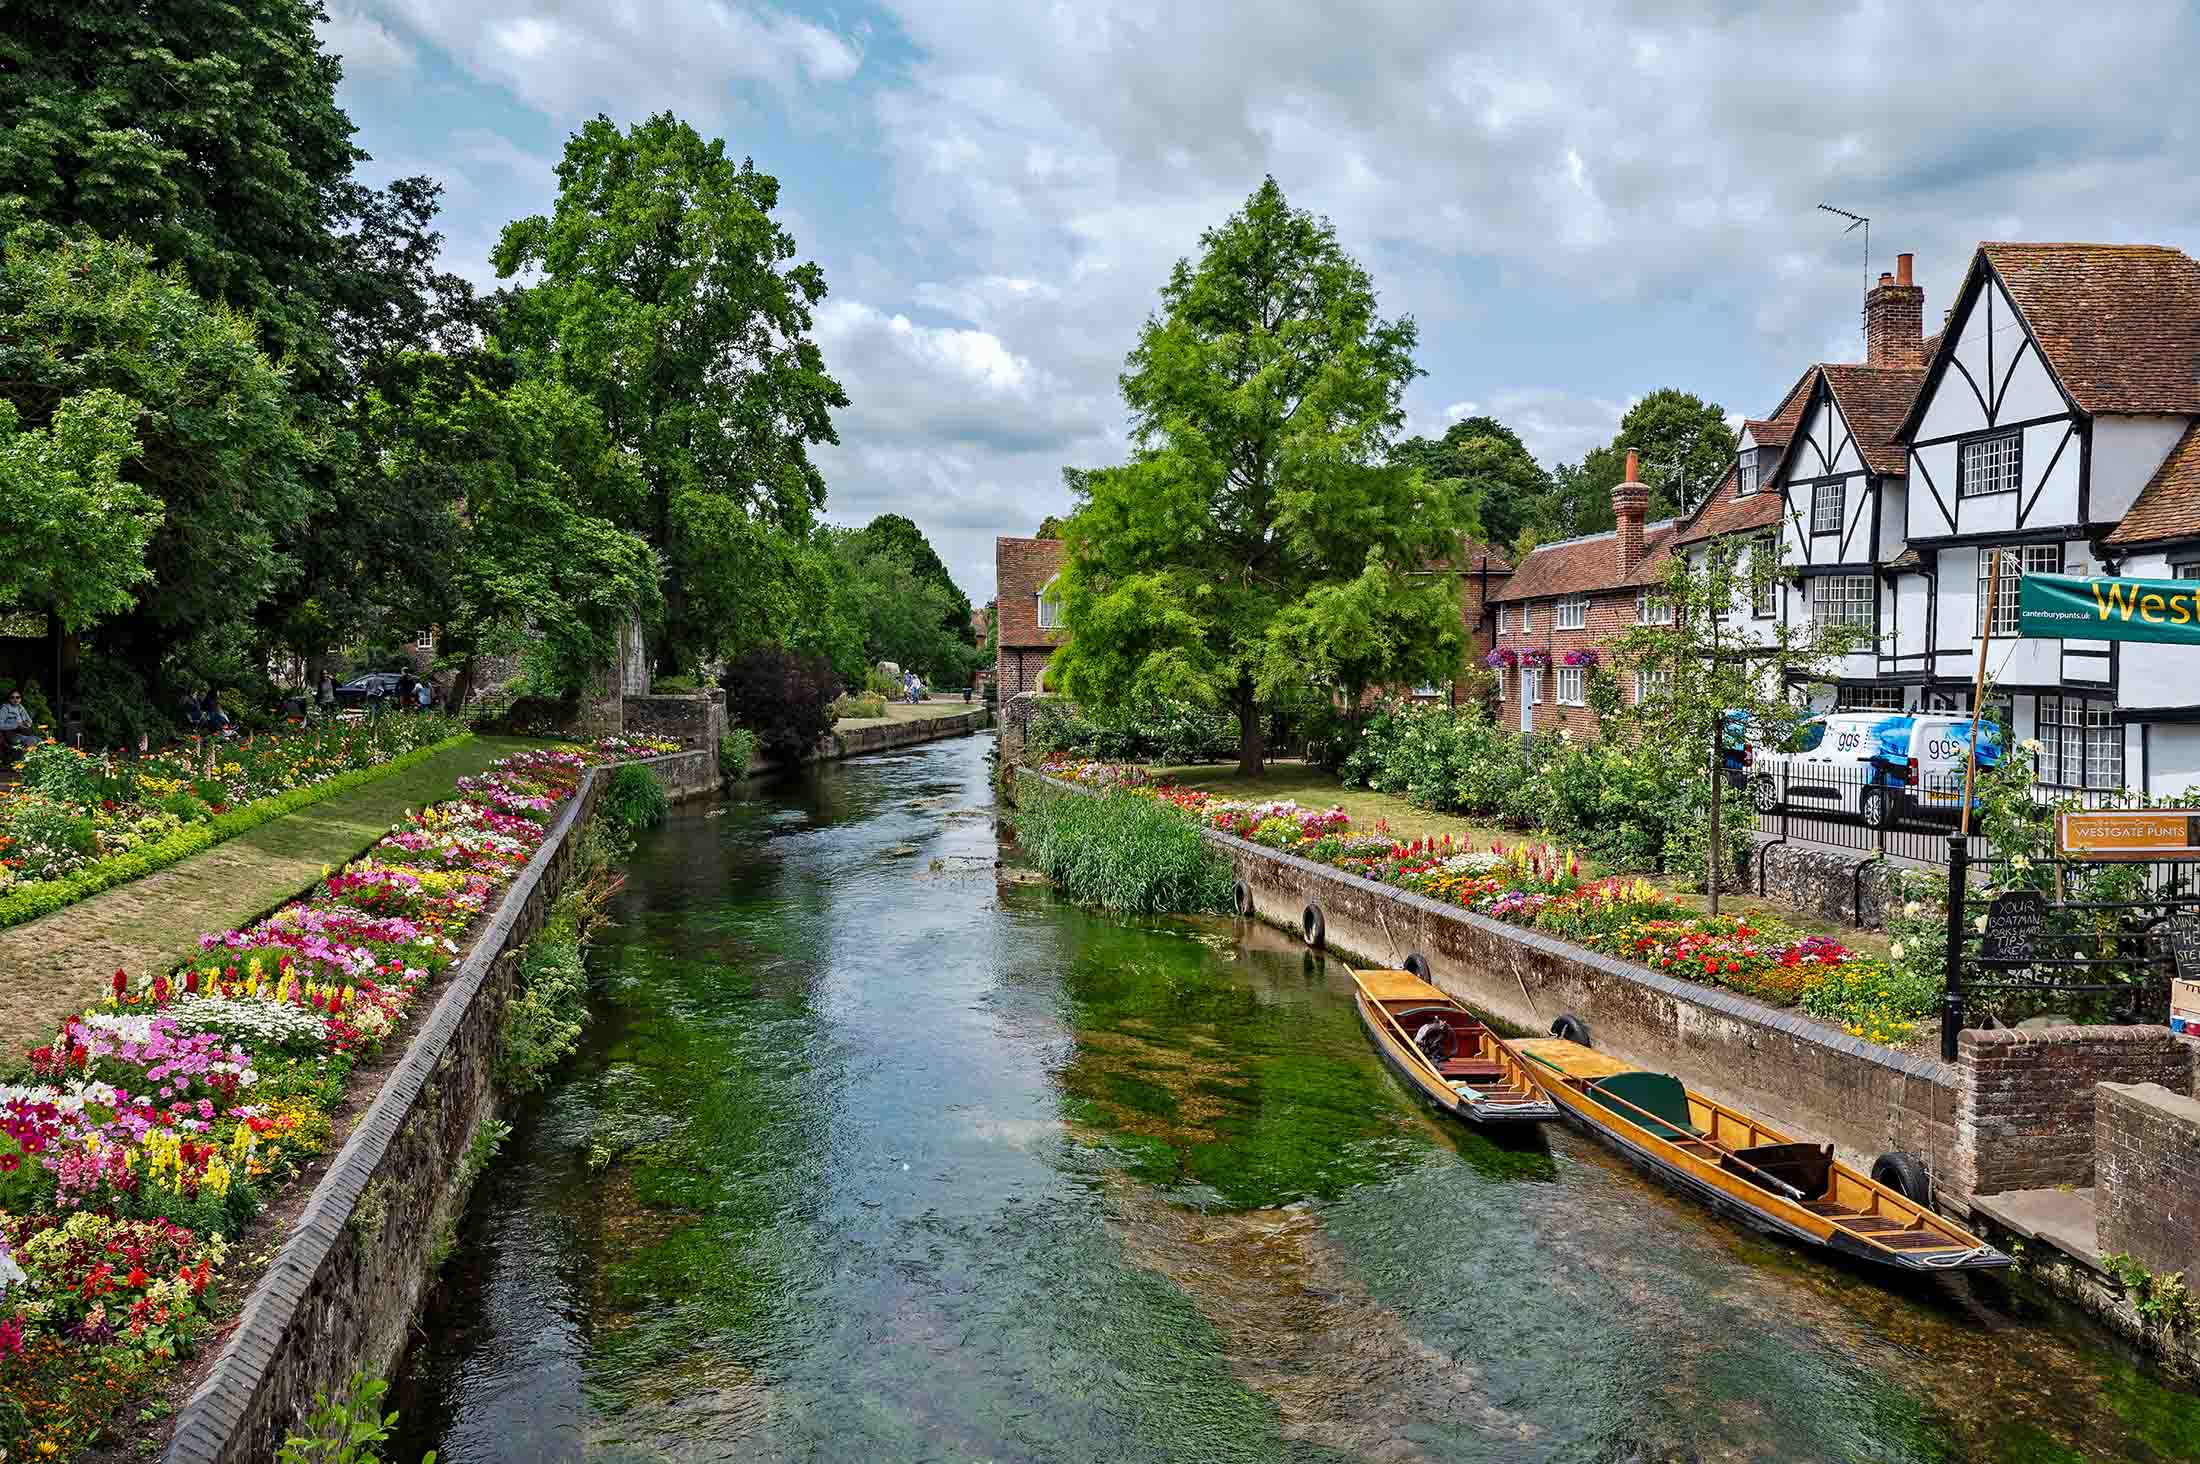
[1653, 1101]
[1800, 1171]
[1468, 1070]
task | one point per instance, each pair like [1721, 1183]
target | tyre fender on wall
[1906, 1175]
[1417, 965]
[1311, 927]
[1570, 1028]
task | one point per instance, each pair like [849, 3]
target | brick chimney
[1629, 501]
[1894, 320]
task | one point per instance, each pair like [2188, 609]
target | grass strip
[45, 896]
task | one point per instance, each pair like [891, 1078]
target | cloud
[371, 50]
[567, 57]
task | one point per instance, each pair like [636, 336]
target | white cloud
[566, 57]
[371, 50]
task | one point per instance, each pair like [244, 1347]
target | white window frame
[1572, 613]
[1504, 620]
[2080, 744]
[1996, 462]
[1764, 601]
[2030, 559]
[1527, 616]
[1844, 599]
[1050, 605]
[1651, 683]
[1821, 523]
[1745, 475]
[1573, 686]
[1652, 608]
[2189, 570]
[1502, 678]
[1531, 685]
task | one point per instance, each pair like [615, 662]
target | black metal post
[1951, 1011]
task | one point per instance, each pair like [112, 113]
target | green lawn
[61, 963]
[910, 712]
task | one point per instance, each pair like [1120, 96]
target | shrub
[634, 799]
[1123, 853]
[855, 708]
[785, 698]
[1161, 732]
[736, 753]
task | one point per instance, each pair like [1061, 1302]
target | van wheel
[1764, 795]
[1312, 928]
[1875, 808]
[1417, 965]
[1570, 1028]
[1905, 1174]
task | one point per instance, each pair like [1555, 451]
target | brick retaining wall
[694, 719]
[353, 1272]
[2025, 1105]
[2147, 1188]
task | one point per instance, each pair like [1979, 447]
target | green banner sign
[2060, 607]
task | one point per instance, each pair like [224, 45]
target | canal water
[871, 1157]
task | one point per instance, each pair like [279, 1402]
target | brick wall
[2147, 1189]
[2025, 1100]
[1610, 613]
[694, 720]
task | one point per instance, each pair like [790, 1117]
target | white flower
[1895, 951]
[2030, 744]
[1913, 909]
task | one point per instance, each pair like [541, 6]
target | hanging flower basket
[1535, 660]
[1583, 657]
[1498, 660]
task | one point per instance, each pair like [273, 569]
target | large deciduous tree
[897, 535]
[665, 293]
[1264, 397]
[218, 448]
[1685, 445]
[1502, 488]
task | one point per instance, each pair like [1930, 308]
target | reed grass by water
[1123, 853]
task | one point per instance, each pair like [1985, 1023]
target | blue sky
[1578, 203]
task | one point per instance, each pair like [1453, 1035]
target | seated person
[17, 731]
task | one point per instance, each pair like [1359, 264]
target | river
[870, 1157]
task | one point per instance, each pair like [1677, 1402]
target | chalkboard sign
[2184, 945]
[2014, 923]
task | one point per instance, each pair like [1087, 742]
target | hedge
[43, 897]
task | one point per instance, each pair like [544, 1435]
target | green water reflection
[869, 1157]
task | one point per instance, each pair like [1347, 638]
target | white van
[1880, 766]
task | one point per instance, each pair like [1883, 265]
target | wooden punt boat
[1745, 1169]
[1444, 1053]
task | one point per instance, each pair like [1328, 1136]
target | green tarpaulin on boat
[1639, 1094]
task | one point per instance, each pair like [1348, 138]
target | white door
[1531, 687]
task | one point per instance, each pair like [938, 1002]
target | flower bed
[1547, 888]
[79, 822]
[159, 1123]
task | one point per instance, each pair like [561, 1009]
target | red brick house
[1570, 600]
[1029, 615]
[1482, 573]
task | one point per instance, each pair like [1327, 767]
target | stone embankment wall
[2026, 1099]
[694, 720]
[351, 1276]
[2147, 1201]
[886, 736]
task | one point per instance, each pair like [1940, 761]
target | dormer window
[1745, 474]
[1050, 604]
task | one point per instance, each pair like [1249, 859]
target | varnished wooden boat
[1459, 1065]
[1744, 1168]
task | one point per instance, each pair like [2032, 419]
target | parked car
[360, 690]
[1882, 767]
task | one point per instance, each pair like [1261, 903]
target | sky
[1577, 203]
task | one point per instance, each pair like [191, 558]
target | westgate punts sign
[2060, 606]
[2129, 833]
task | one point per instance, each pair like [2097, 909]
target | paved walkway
[946, 706]
[62, 963]
[2062, 1218]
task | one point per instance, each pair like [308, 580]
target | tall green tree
[1501, 486]
[1264, 396]
[219, 449]
[897, 535]
[666, 294]
[901, 611]
[1686, 447]
[73, 532]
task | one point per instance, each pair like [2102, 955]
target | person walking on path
[327, 694]
[424, 694]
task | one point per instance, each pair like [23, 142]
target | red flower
[122, 983]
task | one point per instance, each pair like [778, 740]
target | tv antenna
[1857, 221]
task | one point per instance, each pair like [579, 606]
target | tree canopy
[665, 294]
[1685, 444]
[1264, 397]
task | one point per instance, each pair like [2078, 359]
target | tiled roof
[1020, 568]
[1874, 400]
[2169, 505]
[2119, 323]
[1726, 512]
[1587, 564]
